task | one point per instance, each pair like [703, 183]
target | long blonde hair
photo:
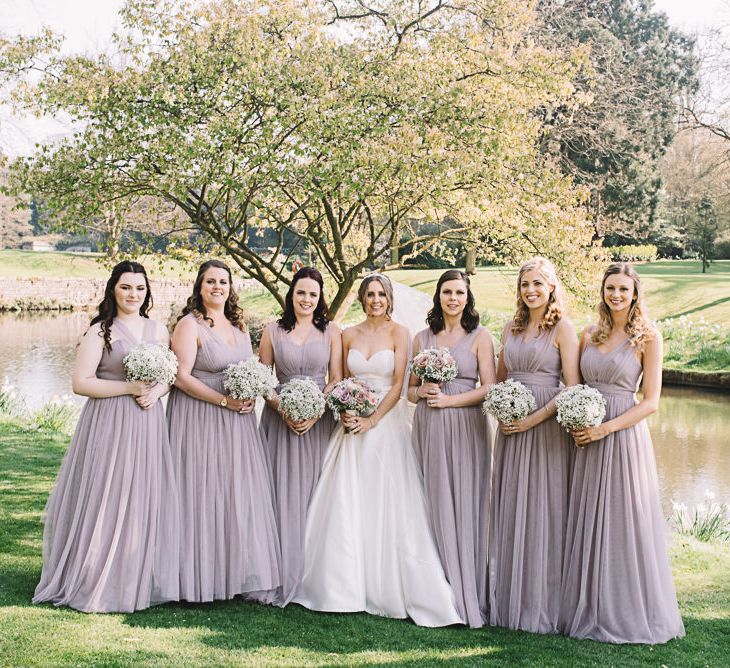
[556, 301]
[638, 326]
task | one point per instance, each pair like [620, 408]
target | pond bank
[713, 380]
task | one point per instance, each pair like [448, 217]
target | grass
[238, 633]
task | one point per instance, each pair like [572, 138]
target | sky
[88, 24]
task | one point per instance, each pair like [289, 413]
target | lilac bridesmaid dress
[296, 461]
[453, 446]
[617, 583]
[110, 542]
[228, 539]
[530, 498]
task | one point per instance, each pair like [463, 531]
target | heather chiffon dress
[453, 446]
[296, 461]
[530, 498]
[228, 539]
[617, 583]
[110, 541]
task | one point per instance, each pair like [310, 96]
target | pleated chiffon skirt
[617, 582]
[228, 536]
[111, 537]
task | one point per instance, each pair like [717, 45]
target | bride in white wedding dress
[368, 542]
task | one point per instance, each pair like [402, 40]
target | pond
[691, 429]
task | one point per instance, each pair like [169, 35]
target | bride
[368, 543]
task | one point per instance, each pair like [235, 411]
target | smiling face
[453, 297]
[534, 289]
[619, 292]
[129, 293]
[215, 288]
[375, 300]
[305, 297]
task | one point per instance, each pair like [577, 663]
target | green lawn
[237, 633]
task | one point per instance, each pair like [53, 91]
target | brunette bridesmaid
[110, 542]
[229, 543]
[532, 459]
[453, 443]
[302, 344]
[617, 583]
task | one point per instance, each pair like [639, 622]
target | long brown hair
[107, 309]
[637, 326]
[469, 316]
[556, 301]
[195, 305]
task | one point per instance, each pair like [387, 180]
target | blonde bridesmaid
[532, 459]
[617, 583]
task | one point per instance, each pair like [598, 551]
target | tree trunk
[471, 261]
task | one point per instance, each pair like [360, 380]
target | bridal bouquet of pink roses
[353, 397]
[434, 365]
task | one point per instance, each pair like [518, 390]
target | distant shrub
[722, 250]
[256, 324]
[638, 253]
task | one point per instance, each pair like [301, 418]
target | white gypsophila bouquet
[580, 406]
[509, 401]
[151, 363]
[434, 365]
[249, 379]
[301, 399]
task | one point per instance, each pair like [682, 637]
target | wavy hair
[556, 301]
[469, 316]
[638, 327]
[107, 309]
[195, 305]
[387, 287]
[320, 317]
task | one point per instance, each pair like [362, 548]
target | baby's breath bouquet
[580, 406]
[301, 399]
[434, 365]
[151, 363]
[249, 379]
[509, 401]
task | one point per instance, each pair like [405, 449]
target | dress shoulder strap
[149, 331]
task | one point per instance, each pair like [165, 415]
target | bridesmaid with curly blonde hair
[617, 583]
[532, 459]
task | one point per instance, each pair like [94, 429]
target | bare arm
[336, 366]
[414, 382]
[83, 377]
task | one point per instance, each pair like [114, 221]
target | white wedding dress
[368, 542]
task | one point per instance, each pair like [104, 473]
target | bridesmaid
[617, 583]
[229, 544]
[453, 442]
[532, 459]
[302, 344]
[110, 542]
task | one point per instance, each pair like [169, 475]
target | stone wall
[34, 294]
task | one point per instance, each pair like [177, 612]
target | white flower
[580, 406]
[151, 363]
[509, 401]
[249, 379]
[301, 399]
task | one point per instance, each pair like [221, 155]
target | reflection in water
[690, 431]
[692, 446]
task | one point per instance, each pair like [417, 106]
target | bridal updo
[387, 288]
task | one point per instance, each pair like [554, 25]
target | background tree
[342, 132]
[612, 145]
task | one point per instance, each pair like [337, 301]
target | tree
[703, 228]
[344, 131]
[612, 144]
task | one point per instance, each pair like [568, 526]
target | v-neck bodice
[467, 363]
[215, 353]
[110, 366]
[309, 359]
[616, 371]
[533, 361]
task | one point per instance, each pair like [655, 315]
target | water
[690, 430]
